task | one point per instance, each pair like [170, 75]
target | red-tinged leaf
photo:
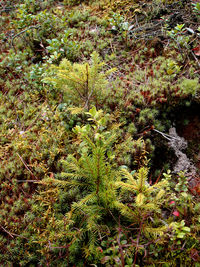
[51, 175]
[176, 213]
[100, 249]
[194, 254]
[105, 259]
[196, 50]
[197, 189]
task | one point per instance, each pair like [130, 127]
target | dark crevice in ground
[188, 126]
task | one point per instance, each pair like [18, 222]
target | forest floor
[99, 133]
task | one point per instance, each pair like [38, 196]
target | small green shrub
[82, 84]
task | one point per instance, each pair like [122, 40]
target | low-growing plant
[64, 47]
[178, 35]
[82, 84]
[147, 199]
[80, 185]
[196, 8]
[120, 25]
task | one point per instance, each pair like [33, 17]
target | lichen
[178, 144]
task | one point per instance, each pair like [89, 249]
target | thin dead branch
[16, 35]
[26, 166]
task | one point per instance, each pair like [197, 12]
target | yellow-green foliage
[66, 195]
[92, 178]
[147, 198]
[83, 84]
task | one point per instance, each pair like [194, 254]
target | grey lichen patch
[178, 144]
